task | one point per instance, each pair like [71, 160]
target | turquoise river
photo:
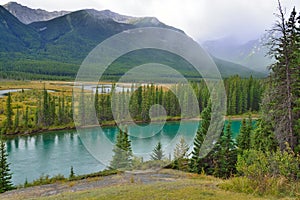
[55, 152]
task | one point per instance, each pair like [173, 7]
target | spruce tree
[244, 137]
[180, 155]
[72, 174]
[17, 119]
[96, 103]
[9, 112]
[122, 158]
[225, 155]
[26, 117]
[45, 108]
[5, 174]
[195, 164]
[181, 149]
[158, 153]
[285, 79]
[263, 138]
[81, 108]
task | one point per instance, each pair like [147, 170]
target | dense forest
[34, 110]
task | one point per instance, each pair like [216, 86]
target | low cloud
[201, 19]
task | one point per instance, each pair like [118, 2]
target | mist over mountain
[56, 47]
[252, 54]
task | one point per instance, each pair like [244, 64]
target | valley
[95, 104]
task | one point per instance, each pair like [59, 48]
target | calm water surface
[55, 152]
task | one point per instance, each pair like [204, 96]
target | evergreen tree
[9, 112]
[158, 153]
[72, 174]
[263, 138]
[244, 137]
[26, 118]
[17, 119]
[284, 78]
[122, 158]
[180, 155]
[46, 108]
[196, 164]
[5, 175]
[181, 149]
[225, 155]
[81, 108]
[96, 103]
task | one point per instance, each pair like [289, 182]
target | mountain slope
[73, 36]
[228, 68]
[15, 36]
[251, 54]
[27, 15]
[57, 47]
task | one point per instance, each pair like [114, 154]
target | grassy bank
[181, 189]
[163, 184]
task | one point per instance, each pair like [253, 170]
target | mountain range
[252, 54]
[28, 15]
[38, 43]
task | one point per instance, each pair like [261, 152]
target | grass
[275, 187]
[182, 185]
[187, 188]
[46, 179]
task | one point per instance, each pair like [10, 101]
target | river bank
[113, 123]
[160, 184]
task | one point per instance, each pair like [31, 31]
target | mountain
[28, 15]
[15, 36]
[84, 30]
[228, 68]
[56, 47]
[251, 54]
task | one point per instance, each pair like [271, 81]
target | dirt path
[143, 177]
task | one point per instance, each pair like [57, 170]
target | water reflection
[54, 153]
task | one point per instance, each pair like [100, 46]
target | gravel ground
[143, 177]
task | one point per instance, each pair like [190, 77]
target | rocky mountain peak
[28, 15]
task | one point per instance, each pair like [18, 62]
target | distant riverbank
[113, 123]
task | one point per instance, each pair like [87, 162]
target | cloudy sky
[201, 19]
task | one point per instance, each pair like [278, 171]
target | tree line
[243, 95]
[35, 110]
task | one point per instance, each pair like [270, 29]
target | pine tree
[122, 158]
[196, 163]
[244, 137]
[45, 108]
[284, 78]
[72, 174]
[180, 155]
[181, 149]
[263, 138]
[26, 117]
[225, 155]
[96, 103]
[158, 153]
[17, 119]
[5, 175]
[9, 112]
[81, 108]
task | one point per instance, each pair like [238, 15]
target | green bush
[266, 173]
[267, 186]
[45, 179]
[257, 164]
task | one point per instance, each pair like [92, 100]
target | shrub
[266, 173]
[256, 164]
